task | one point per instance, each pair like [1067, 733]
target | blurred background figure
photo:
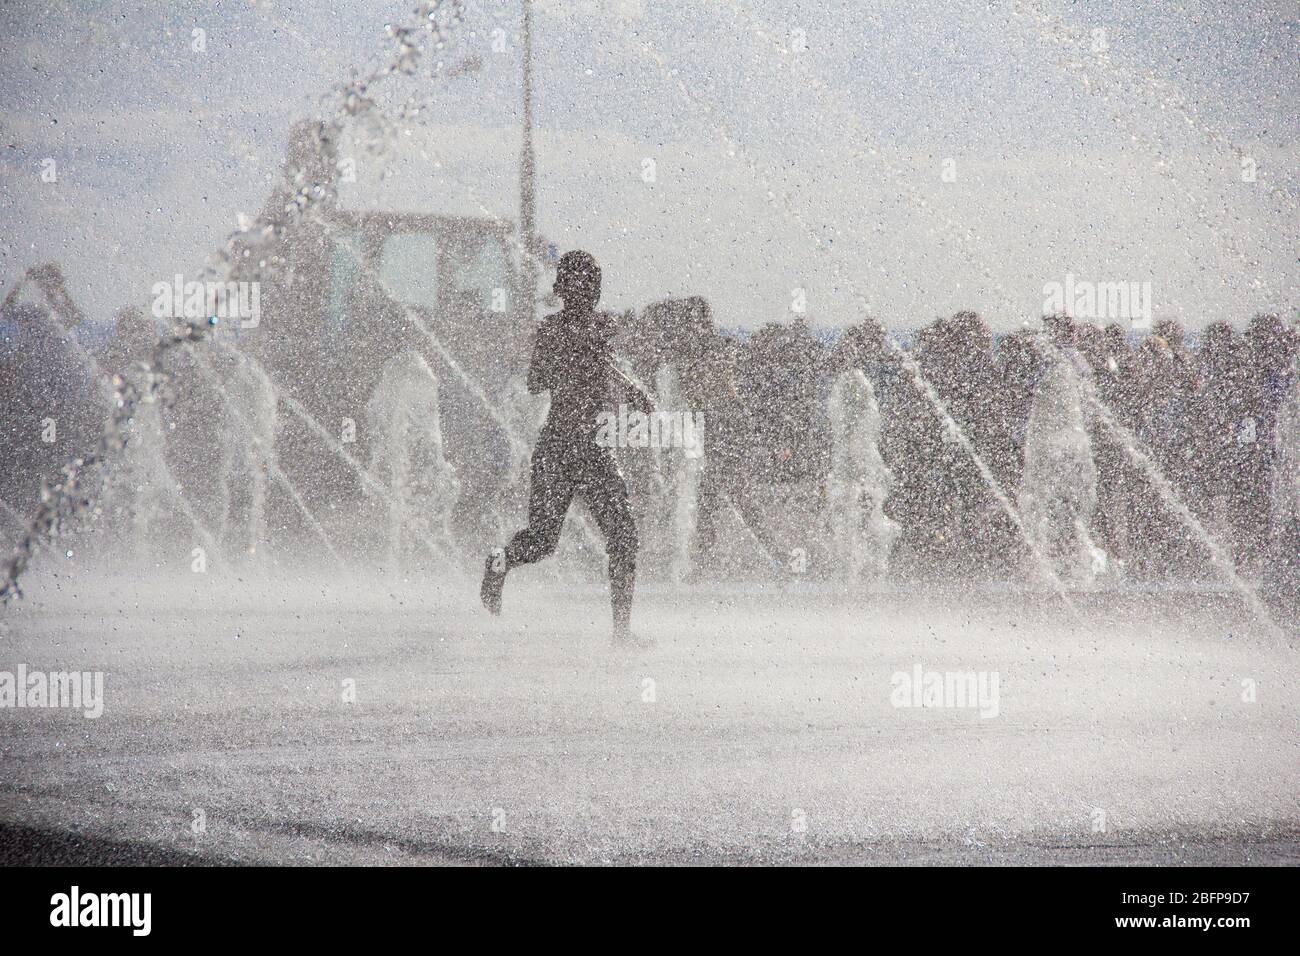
[1270, 351]
[52, 408]
[1219, 413]
[952, 523]
[783, 378]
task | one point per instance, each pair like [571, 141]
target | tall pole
[527, 197]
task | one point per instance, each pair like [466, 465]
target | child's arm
[542, 368]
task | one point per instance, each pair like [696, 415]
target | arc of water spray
[909, 363]
[298, 409]
[1052, 31]
[272, 465]
[67, 496]
[523, 250]
[761, 538]
[1143, 459]
[467, 380]
[1128, 440]
[172, 485]
[1060, 34]
[471, 384]
[518, 445]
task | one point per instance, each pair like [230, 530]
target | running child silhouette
[573, 359]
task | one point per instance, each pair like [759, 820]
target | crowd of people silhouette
[1205, 409]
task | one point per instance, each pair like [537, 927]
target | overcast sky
[771, 126]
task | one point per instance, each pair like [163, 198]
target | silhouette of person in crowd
[51, 410]
[573, 359]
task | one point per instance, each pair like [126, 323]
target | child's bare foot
[494, 580]
[626, 640]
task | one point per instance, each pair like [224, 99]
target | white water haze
[909, 472]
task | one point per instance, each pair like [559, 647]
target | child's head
[577, 279]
